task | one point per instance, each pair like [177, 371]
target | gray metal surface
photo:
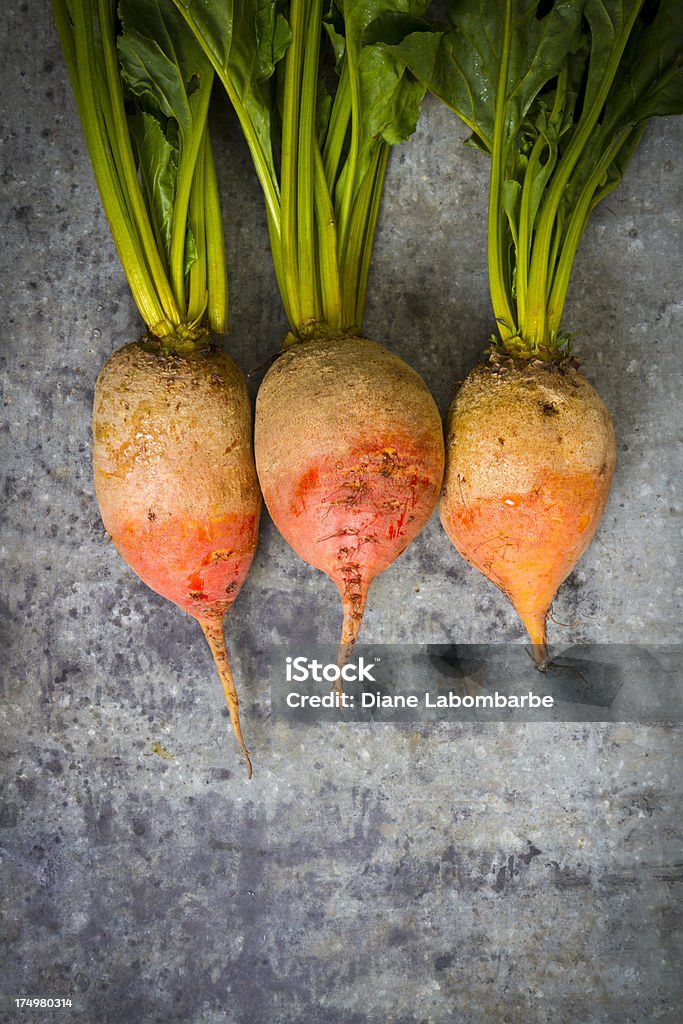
[485, 872]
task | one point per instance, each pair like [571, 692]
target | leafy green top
[558, 93]
[142, 86]
[320, 104]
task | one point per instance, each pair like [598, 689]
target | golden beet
[530, 454]
[176, 483]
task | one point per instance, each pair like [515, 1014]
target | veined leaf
[462, 65]
[161, 61]
[557, 92]
[649, 81]
[272, 38]
[157, 161]
[389, 100]
[610, 24]
[391, 96]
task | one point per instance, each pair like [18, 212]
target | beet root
[530, 454]
[176, 483]
[349, 453]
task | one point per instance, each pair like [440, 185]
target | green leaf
[157, 162]
[391, 97]
[87, 31]
[169, 79]
[333, 23]
[244, 39]
[384, 103]
[142, 84]
[161, 61]
[649, 81]
[319, 151]
[609, 27]
[558, 94]
[462, 65]
[272, 39]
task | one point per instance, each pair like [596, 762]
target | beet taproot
[530, 458]
[176, 483]
[350, 455]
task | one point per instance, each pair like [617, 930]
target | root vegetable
[349, 445]
[559, 95]
[173, 461]
[364, 473]
[531, 454]
[176, 483]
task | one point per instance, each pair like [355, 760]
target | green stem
[526, 226]
[78, 44]
[575, 228]
[501, 297]
[351, 166]
[216, 273]
[289, 162]
[189, 153]
[359, 241]
[535, 180]
[337, 129]
[322, 212]
[535, 328]
[197, 278]
[278, 266]
[635, 132]
[330, 283]
[121, 147]
[262, 164]
[309, 288]
[267, 181]
[371, 225]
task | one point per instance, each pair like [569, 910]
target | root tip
[535, 623]
[541, 657]
[353, 605]
[213, 631]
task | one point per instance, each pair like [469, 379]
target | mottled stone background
[477, 873]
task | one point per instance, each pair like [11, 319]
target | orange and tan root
[530, 458]
[176, 482]
[349, 450]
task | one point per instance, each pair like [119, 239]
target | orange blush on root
[352, 517]
[527, 544]
[200, 565]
